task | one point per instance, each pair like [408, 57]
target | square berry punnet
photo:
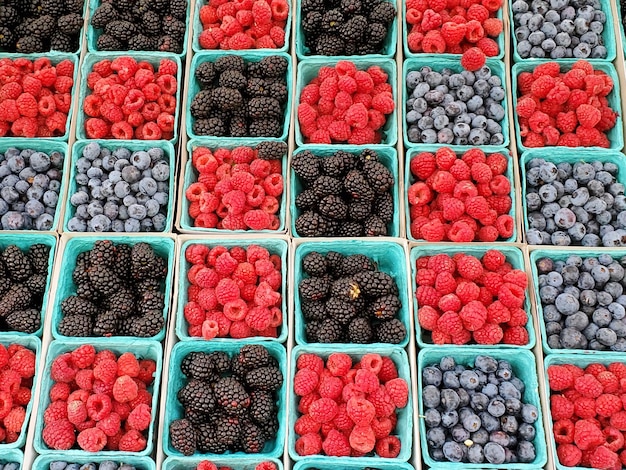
[12, 456]
[238, 463]
[140, 463]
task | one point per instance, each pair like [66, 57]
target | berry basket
[344, 464]
[163, 246]
[620, 25]
[140, 463]
[404, 426]
[308, 70]
[24, 241]
[615, 135]
[389, 45]
[133, 146]
[513, 255]
[190, 176]
[418, 61]
[524, 367]
[173, 409]
[608, 34]
[459, 150]
[153, 58]
[144, 349]
[273, 245]
[12, 456]
[388, 156]
[46, 146]
[248, 56]
[243, 463]
[94, 33]
[11, 451]
[389, 257]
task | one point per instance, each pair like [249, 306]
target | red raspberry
[587, 434]
[618, 420]
[561, 407]
[309, 444]
[474, 315]
[428, 317]
[516, 335]
[588, 116]
[388, 370]
[339, 364]
[569, 455]
[469, 267]
[473, 59]
[323, 410]
[62, 369]
[493, 27]
[366, 381]
[398, 391]
[607, 405]
[452, 33]
[360, 411]
[588, 386]
[139, 418]
[305, 425]
[450, 323]
[388, 447]
[76, 412]
[362, 439]
[602, 457]
[305, 382]
[59, 435]
[371, 362]
[125, 389]
[132, 441]
[490, 333]
[563, 431]
[336, 444]
[110, 425]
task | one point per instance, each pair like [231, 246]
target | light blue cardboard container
[46, 146]
[608, 35]
[133, 146]
[388, 256]
[273, 245]
[12, 456]
[24, 242]
[308, 70]
[243, 463]
[524, 367]
[321, 463]
[143, 349]
[173, 409]
[248, 56]
[615, 135]
[388, 157]
[140, 463]
[153, 58]
[10, 451]
[162, 246]
[513, 255]
[191, 176]
[409, 179]
[437, 64]
[404, 426]
[558, 155]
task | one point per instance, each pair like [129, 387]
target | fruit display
[104, 465]
[208, 465]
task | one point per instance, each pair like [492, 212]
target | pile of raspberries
[565, 108]
[17, 370]
[131, 100]
[463, 299]
[348, 409]
[248, 24]
[441, 26]
[344, 104]
[99, 401]
[460, 198]
[234, 293]
[208, 465]
[240, 98]
[238, 189]
[588, 414]
[35, 97]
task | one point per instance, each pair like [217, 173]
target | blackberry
[326, 186]
[346, 289]
[183, 436]
[227, 430]
[74, 6]
[266, 128]
[353, 264]
[238, 127]
[391, 331]
[310, 331]
[237, 367]
[174, 27]
[196, 418]
[141, 42]
[350, 230]
[252, 438]
[360, 331]
[268, 379]
[36, 284]
[201, 104]
[6, 38]
[53, 8]
[313, 288]
[359, 210]
[169, 44]
[378, 176]
[70, 24]
[147, 325]
[270, 429]
[106, 324]
[314, 264]
[151, 23]
[375, 227]
[332, 21]
[255, 70]
[257, 87]
[312, 24]
[76, 325]
[123, 261]
[274, 66]
[106, 42]
[306, 200]
[264, 107]
[306, 165]
[233, 79]
[253, 356]
[103, 253]
[340, 310]
[207, 441]
[278, 90]
[230, 62]
[25, 321]
[329, 331]
[333, 207]
[80, 274]
[104, 280]
[121, 30]
[5, 284]
[220, 360]
[386, 307]
[124, 4]
[383, 207]
[358, 187]
[338, 164]
[151, 300]
[332, 226]
[384, 13]
[18, 297]
[333, 261]
[29, 45]
[9, 16]
[271, 150]
[353, 29]
[122, 303]
[205, 73]
[351, 7]
[314, 311]
[376, 34]
[16, 263]
[197, 395]
[104, 14]
[198, 365]
[212, 126]
[178, 9]
[144, 262]
[231, 395]
[329, 45]
[375, 283]
[227, 99]
[74, 305]
[63, 43]
[312, 5]
[262, 407]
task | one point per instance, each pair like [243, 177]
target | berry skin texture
[473, 59]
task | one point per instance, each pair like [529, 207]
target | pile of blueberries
[477, 414]
[29, 188]
[104, 465]
[559, 29]
[120, 190]
[583, 302]
[579, 204]
[451, 108]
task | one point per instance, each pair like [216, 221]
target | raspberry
[366, 381]
[59, 434]
[602, 457]
[569, 455]
[398, 391]
[490, 333]
[125, 389]
[339, 364]
[473, 59]
[561, 407]
[139, 418]
[309, 444]
[588, 386]
[360, 410]
[587, 434]
[469, 267]
[607, 405]
[517, 335]
[62, 370]
[618, 420]
[76, 412]
[474, 315]
[110, 425]
[362, 439]
[588, 116]
[388, 447]
[323, 410]
[132, 441]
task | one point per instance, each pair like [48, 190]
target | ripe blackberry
[237, 368]
[313, 311]
[106, 324]
[257, 87]
[274, 66]
[329, 45]
[87, 292]
[145, 263]
[233, 79]
[74, 305]
[333, 261]
[332, 21]
[62, 42]
[376, 34]
[121, 302]
[253, 356]
[74, 6]
[350, 229]
[314, 264]
[356, 263]
[227, 430]
[266, 128]
[9, 16]
[340, 310]
[183, 436]
[70, 24]
[312, 25]
[104, 14]
[306, 165]
[103, 253]
[205, 73]
[270, 429]
[375, 227]
[386, 307]
[353, 29]
[212, 126]
[169, 44]
[306, 200]
[383, 207]
[220, 361]
[378, 176]
[207, 441]
[36, 284]
[16, 263]
[338, 164]
[121, 266]
[367, 155]
[360, 331]
[313, 288]
[230, 62]
[106, 42]
[238, 127]
[18, 297]
[150, 300]
[391, 331]
[151, 23]
[278, 90]
[201, 104]
[227, 99]
[375, 283]
[174, 27]
[252, 438]
[53, 8]
[333, 207]
[384, 12]
[326, 186]
[359, 211]
[271, 150]
[345, 288]
[262, 406]
[178, 9]
[80, 274]
[351, 7]
[264, 107]
[29, 45]
[329, 331]
[121, 30]
[268, 379]
[25, 321]
[198, 365]
[310, 331]
[141, 42]
[76, 325]
[358, 187]
[124, 4]
[6, 38]
[312, 5]
[147, 325]
[231, 395]
[104, 280]
[197, 395]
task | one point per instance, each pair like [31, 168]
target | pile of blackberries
[229, 403]
[141, 25]
[344, 195]
[477, 413]
[119, 292]
[23, 280]
[104, 465]
[346, 27]
[29, 26]
[239, 98]
[347, 299]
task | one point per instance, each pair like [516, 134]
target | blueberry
[449, 418]
[58, 465]
[571, 338]
[453, 451]
[88, 466]
[39, 162]
[131, 225]
[76, 224]
[436, 437]
[130, 174]
[606, 337]
[148, 186]
[108, 465]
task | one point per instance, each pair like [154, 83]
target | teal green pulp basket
[389, 258]
[248, 56]
[46, 146]
[243, 463]
[12, 456]
[153, 58]
[524, 367]
[615, 135]
[191, 176]
[162, 246]
[621, 26]
[273, 245]
[133, 146]
[24, 242]
[388, 157]
[436, 63]
[34, 344]
[308, 70]
[513, 255]
[176, 380]
[140, 463]
[404, 426]
[409, 179]
[563, 155]
[608, 35]
[321, 463]
[142, 349]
